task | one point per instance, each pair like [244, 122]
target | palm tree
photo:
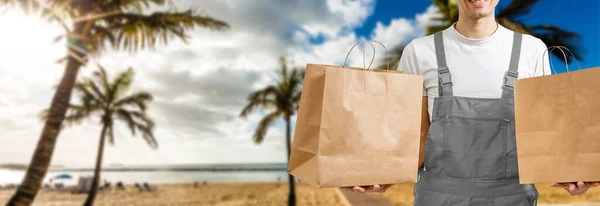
[284, 98]
[94, 26]
[508, 16]
[393, 57]
[107, 100]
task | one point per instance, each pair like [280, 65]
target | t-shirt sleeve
[409, 64]
[542, 64]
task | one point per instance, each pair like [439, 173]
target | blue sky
[581, 17]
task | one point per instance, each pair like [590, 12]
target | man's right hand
[372, 188]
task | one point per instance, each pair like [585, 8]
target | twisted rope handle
[552, 48]
[372, 59]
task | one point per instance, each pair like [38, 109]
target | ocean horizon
[163, 174]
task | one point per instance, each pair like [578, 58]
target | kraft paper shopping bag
[558, 127]
[357, 126]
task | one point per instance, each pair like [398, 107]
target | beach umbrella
[63, 176]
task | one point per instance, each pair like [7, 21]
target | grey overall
[470, 153]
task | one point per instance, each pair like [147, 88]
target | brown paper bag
[558, 127]
[357, 127]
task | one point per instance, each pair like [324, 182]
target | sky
[199, 88]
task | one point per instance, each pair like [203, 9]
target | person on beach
[469, 70]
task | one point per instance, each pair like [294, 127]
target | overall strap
[512, 74]
[444, 79]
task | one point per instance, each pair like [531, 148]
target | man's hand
[372, 188]
[578, 188]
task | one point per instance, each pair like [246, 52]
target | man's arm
[409, 64]
[542, 67]
[424, 130]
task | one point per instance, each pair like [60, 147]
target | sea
[238, 173]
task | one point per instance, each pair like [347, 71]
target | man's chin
[479, 15]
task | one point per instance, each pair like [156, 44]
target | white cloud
[426, 18]
[399, 30]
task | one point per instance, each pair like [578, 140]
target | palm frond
[284, 69]
[148, 134]
[138, 99]
[142, 118]
[442, 5]
[265, 98]
[51, 11]
[138, 31]
[138, 5]
[121, 84]
[448, 11]
[89, 95]
[284, 96]
[126, 116]
[513, 25]
[289, 101]
[296, 101]
[102, 78]
[393, 57]
[76, 114]
[101, 95]
[263, 126]
[555, 36]
[27, 6]
[111, 134]
[44, 114]
[102, 35]
[516, 9]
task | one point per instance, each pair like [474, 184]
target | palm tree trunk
[42, 155]
[95, 182]
[288, 140]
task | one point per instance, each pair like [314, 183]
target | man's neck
[476, 28]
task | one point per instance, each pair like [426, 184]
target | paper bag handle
[564, 56]
[372, 59]
[364, 63]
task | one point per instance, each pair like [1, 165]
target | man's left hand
[578, 188]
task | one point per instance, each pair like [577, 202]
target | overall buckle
[444, 77]
[509, 79]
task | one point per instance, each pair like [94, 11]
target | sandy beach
[187, 194]
[402, 195]
[261, 194]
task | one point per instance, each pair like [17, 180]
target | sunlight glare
[27, 38]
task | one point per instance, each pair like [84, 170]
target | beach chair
[147, 187]
[106, 185]
[59, 186]
[120, 186]
[139, 187]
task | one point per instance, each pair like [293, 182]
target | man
[469, 71]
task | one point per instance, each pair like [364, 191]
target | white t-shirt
[477, 66]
